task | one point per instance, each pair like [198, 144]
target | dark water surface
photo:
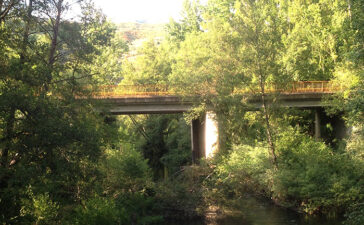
[256, 212]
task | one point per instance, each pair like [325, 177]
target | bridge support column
[197, 140]
[204, 137]
[317, 124]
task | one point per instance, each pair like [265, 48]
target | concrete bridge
[123, 105]
[123, 100]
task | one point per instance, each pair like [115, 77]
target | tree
[240, 50]
[152, 65]
[45, 130]
[190, 22]
[315, 39]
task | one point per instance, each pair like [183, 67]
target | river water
[257, 212]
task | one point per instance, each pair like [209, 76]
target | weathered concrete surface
[146, 105]
[295, 100]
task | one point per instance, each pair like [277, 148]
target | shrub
[139, 208]
[313, 176]
[310, 175]
[98, 211]
[127, 209]
[125, 171]
[355, 215]
[40, 208]
[182, 196]
[245, 168]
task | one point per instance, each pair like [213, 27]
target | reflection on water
[254, 212]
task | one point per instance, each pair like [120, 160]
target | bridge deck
[144, 91]
[175, 104]
[146, 99]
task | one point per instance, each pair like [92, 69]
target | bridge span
[134, 99]
[143, 104]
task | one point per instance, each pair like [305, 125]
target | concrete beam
[174, 104]
[305, 100]
[149, 109]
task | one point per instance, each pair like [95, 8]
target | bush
[127, 190]
[310, 175]
[125, 171]
[246, 168]
[313, 176]
[40, 208]
[355, 215]
[127, 209]
[98, 211]
[182, 196]
[139, 208]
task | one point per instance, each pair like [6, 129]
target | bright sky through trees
[151, 11]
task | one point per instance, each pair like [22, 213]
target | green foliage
[355, 216]
[245, 168]
[178, 142]
[45, 128]
[215, 51]
[140, 209]
[99, 211]
[40, 208]
[162, 139]
[125, 171]
[182, 196]
[311, 173]
[310, 176]
[191, 22]
[315, 38]
[128, 209]
[152, 65]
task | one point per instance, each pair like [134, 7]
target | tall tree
[315, 39]
[190, 22]
[44, 130]
[240, 50]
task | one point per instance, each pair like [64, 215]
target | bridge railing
[313, 87]
[114, 91]
[132, 90]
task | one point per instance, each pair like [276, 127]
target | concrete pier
[204, 137]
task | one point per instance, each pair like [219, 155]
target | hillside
[134, 31]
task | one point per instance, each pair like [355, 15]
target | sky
[150, 11]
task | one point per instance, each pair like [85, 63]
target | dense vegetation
[62, 161]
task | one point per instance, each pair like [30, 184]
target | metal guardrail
[313, 87]
[110, 91]
[114, 91]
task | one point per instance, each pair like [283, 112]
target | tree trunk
[262, 79]
[349, 8]
[267, 123]
[53, 48]
[7, 9]
[26, 33]
[52, 52]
